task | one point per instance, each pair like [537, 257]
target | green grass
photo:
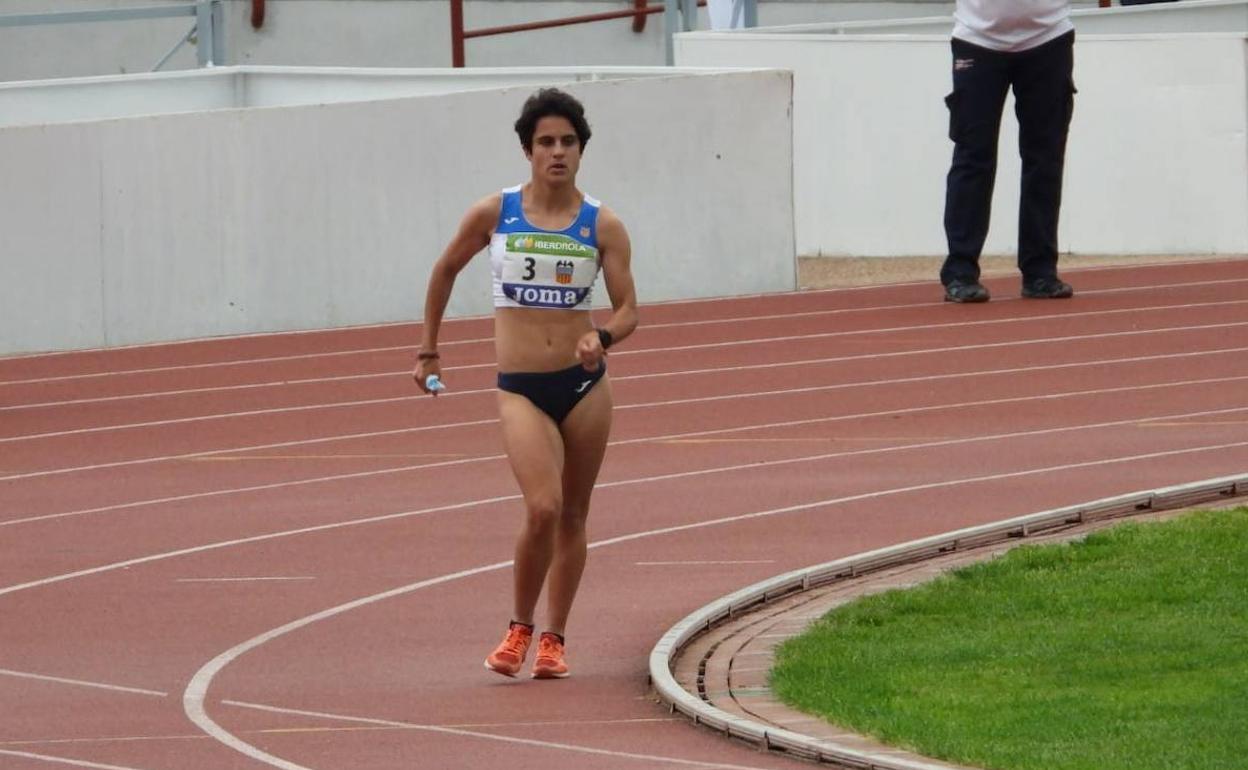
[1127, 650]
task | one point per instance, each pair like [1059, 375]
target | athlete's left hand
[589, 350]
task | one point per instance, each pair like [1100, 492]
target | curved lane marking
[458, 731]
[197, 690]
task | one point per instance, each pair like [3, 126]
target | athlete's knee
[572, 520]
[544, 511]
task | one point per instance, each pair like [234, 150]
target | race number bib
[548, 270]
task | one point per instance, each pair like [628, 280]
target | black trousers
[1044, 92]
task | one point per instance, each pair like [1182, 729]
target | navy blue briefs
[555, 393]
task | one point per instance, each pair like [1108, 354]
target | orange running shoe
[549, 663]
[509, 655]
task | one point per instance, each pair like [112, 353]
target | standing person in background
[1029, 45]
[547, 242]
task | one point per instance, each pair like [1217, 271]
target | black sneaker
[1047, 288]
[965, 291]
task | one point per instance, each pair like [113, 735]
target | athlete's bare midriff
[538, 339]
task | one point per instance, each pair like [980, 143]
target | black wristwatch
[604, 338]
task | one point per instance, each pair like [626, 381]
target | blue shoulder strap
[510, 214]
[588, 221]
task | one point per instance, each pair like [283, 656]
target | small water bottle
[434, 384]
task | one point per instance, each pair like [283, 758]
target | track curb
[758, 595]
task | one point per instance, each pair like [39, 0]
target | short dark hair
[548, 102]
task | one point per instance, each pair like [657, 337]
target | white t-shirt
[726, 14]
[1011, 25]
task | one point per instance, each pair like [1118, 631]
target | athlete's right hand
[424, 368]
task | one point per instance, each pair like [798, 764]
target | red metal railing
[640, 10]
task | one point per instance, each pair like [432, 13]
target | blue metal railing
[207, 31]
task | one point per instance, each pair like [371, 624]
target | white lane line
[240, 579]
[460, 732]
[407, 372]
[664, 303]
[602, 485]
[415, 326]
[64, 760]
[208, 417]
[227, 338]
[702, 563]
[222, 364]
[880, 356]
[625, 352]
[109, 739]
[1196, 424]
[197, 690]
[840, 386]
[671, 438]
[912, 305]
[246, 541]
[345, 456]
[807, 440]
[81, 683]
[735, 368]
[251, 448]
[994, 322]
[212, 389]
[395, 399]
[675, 437]
[548, 723]
[326, 729]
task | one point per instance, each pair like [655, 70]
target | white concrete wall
[175, 226]
[113, 96]
[32, 102]
[1157, 162]
[378, 33]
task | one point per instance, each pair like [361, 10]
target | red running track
[270, 552]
